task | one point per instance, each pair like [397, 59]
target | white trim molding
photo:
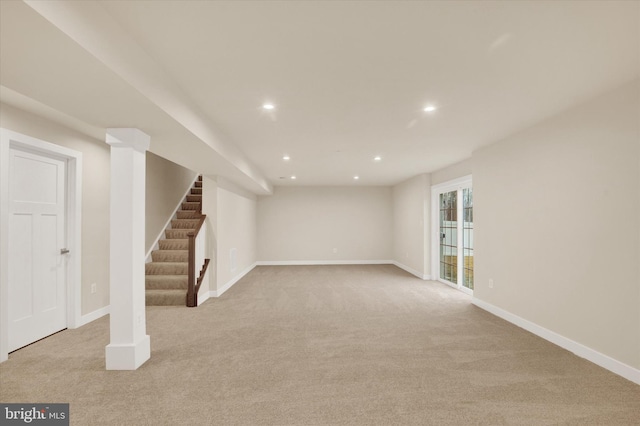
[219, 292]
[323, 262]
[230, 283]
[411, 270]
[92, 316]
[604, 361]
[203, 297]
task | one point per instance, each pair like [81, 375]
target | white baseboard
[155, 245]
[323, 262]
[412, 271]
[92, 316]
[604, 361]
[231, 282]
[343, 262]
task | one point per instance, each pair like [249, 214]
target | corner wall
[411, 202]
[556, 219]
[235, 234]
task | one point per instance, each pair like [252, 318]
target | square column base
[129, 356]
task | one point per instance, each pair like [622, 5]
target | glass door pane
[449, 236]
[453, 232]
[467, 238]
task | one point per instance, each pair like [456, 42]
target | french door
[452, 262]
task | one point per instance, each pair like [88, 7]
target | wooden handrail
[192, 290]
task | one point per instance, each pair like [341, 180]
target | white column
[130, 345]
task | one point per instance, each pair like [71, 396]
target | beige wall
[307, 223]
[95, 197]
[411, 224]
[451, 172]
[556, 217]
[235, 230]
[166, 185]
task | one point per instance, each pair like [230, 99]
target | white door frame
[436, 190]
[10, 139]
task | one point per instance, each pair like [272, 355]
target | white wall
[306, 224]
[235, 230]
[210, 209]
[411, 225]
[95, 197]
[166, 185]
[554, 219]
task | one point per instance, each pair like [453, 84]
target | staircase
[166, 277]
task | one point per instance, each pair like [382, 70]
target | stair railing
[197, 246]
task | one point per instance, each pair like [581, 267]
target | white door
[36, 267]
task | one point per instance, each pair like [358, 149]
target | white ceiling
[349, 79]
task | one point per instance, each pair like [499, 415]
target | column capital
[128, 137]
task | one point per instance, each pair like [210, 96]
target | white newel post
[130, 346]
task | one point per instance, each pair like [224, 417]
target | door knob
[64, 251]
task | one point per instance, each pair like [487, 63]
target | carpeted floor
[324, 345]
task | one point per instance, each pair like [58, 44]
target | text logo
[34, 414]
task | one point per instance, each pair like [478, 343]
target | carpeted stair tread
[170, 255]
[167, 282]
[188, 214]
[174, 244]
[184, 223]
[165, 297]
[180, 234]
[190, 205]
[166, 278]
[166, 268]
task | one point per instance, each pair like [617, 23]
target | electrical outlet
[94, 288]
[491, 283]
[335, 250]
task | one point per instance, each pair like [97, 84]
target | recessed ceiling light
[377, 158]
[429, 108]
[286, 157]
[293, 177]
[356, 177]
[268, 106]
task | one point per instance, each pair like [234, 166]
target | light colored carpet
[324, 345]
